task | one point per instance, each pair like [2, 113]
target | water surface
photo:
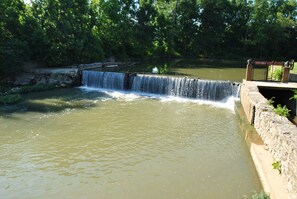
[211, 69]
[75, 143]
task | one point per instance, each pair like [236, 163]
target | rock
[90, 66]
[65, 76]
[25, 79]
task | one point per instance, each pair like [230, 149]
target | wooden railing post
[286, 74]
[249, 71]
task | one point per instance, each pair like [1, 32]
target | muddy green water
[73, 143]
[203, 69]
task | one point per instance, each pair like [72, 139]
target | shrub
[277, 74]
[163, 70]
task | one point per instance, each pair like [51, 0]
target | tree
[237, 27]
[145, 28]
[12, 47]
[63, 26]
[213, 14]
[187, 22]
[64, 32]
[117, 27]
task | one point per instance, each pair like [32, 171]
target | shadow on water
[53, 101]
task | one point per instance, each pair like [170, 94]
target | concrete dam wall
[277, 133]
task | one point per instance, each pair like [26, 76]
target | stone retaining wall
[277, 132]
[61, 77]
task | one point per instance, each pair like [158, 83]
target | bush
[163, 70]
[277, 74]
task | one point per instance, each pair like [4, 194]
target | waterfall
[185, 87]
[108, 80]
[164, 85]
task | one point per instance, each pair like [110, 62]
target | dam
[131, 139]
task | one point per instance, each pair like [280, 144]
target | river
[82, 143]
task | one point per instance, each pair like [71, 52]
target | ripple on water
[138, 148]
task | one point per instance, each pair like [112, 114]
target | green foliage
[271, 101]
[277, 165]
[277, 74]
[65, 32]
[10, 99]
[282, 110]
[163, 70]
[261, 195]
[13, 50]
[294, 97]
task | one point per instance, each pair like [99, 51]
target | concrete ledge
[59, 76]
[278, 134]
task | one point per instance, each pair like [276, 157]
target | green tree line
[65, 32]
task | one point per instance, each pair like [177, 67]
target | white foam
[226, 104]
[133, 96]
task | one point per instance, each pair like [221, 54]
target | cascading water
[164, 85]
[185, 87]
[108, 80]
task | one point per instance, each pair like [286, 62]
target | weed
[271, 101]
[294, 97]
[261, 195]
[282, 110]
[277, 165]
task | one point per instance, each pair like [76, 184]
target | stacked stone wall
[62, 77]
[277, 132]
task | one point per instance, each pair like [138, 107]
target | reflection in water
[117, 145]
[198, 68]
[201, 68]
